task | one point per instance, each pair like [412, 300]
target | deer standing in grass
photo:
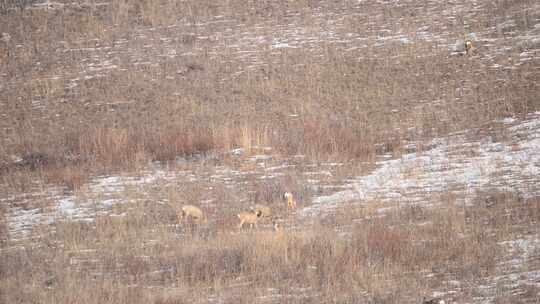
[249, 217]
[192, 212]
[468, 47]
[291, 202]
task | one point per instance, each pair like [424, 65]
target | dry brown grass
[347, 107]
[400, 257]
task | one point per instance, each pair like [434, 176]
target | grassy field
[358, 256]
[68, 98]
[109, 88]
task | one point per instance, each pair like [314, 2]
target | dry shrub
[211, 266]
[132, 148]
[322, 138]
[111, 147]
[268, 193]
[383, 259]
[4, 232]
[385, 245]
[19, 180]
[169, 144]
[337, 108]
[250, 136]
[75, 235]
[72, 177]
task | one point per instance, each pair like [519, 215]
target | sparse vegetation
[383, 259]
[100, 88]
[125, 114]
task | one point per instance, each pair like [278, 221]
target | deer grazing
[249, 217]
[192, 212]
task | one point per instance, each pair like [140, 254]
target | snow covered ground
[354, 29]
[455, 164]
[464, 163]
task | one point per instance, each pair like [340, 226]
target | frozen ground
[100, 195]
[455, 164]
[464, 163]
[358, 29]
[506, 158]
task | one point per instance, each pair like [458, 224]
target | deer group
[247, 218]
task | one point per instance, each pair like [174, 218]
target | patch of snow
[420, 177]
[238, 151]
[262, 157]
